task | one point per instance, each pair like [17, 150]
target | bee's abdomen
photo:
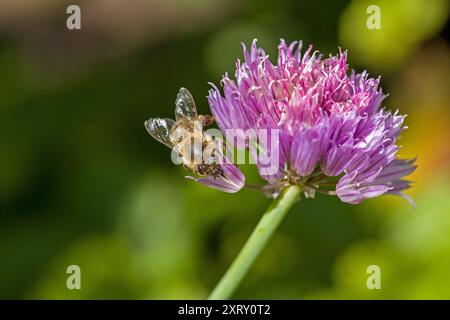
[209, 170]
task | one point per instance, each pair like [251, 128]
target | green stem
[255, 244]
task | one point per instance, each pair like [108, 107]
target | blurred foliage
[82, 183]
[404, 25]
[413, 254]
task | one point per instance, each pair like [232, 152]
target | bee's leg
[206, 120]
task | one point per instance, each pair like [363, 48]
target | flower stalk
[256, 243]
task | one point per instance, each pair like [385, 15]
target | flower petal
[307, 149]
[355, 195]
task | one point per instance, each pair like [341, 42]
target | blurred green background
[82, 183]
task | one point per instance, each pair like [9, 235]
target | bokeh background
[82, 183]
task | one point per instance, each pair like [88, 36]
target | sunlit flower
[334, 136]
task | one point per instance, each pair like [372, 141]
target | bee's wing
[185, 105]
[159, 129]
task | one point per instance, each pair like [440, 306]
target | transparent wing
[159, 129]
[185, 105]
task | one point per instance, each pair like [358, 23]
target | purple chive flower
[332, 128]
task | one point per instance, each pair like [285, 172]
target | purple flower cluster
[330, 122]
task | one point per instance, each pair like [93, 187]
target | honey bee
[186, 137]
